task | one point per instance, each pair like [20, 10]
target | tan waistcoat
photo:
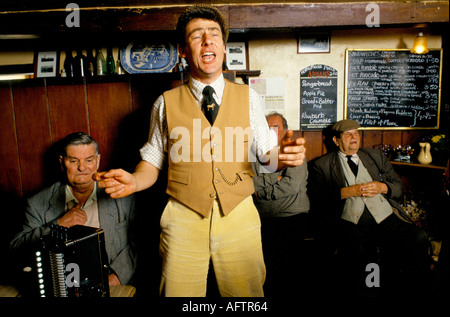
[207, 162]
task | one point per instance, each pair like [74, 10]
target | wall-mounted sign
[393, 89]
[272, 92]
[46, 64]
[313, 43]
[318, 97]
[237, 56]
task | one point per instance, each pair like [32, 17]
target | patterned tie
[352, 164]
[210, 106]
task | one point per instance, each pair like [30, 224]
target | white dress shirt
[90, 207]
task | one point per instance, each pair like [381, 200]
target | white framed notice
[313, 43]
[272, 92]
[237, 56]
[46, 64]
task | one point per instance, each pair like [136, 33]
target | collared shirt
[154, 151]
[355, 157]
[90, 207]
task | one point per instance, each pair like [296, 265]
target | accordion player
[72, 262]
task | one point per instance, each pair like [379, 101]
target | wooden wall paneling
[11, 210]
[371, 138]
[135, 129]
[146, 89]
[411, 137]
[10, 183]
[68, 114]
[108, 104]
[33, 134]
[315, 146]
[392, 137]
[68, 110]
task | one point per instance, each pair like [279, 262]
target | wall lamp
[420, 45]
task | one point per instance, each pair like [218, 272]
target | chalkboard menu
[318, 96]
[393, 89]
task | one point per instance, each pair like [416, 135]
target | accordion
[72, 262]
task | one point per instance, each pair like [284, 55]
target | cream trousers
[233, 244]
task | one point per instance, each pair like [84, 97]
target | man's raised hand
[292, 151]
[117, 182]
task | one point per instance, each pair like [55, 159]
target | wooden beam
[334, 14]
[240, 16]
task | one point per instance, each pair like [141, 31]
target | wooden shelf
[413, 164]
[113, 78]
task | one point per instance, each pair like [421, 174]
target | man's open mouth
[208, 56]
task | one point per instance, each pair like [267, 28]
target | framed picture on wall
[313, 43]
[237, 58]
[46, 63]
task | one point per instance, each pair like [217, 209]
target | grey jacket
[281, 198]
[116, 216]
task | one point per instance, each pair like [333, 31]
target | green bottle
[110, 64]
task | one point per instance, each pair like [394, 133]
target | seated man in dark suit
[354, 191]
[78, 201]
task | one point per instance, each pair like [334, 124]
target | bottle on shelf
[179, 66]
[68, 63]
[110, 65]
[100, 63]
[79, 62]
[119, 68]
[89, 68]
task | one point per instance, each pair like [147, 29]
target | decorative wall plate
[142, 58]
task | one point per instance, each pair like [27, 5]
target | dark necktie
[352, 164]
[210, 106]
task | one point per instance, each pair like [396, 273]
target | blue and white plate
[142, 58]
